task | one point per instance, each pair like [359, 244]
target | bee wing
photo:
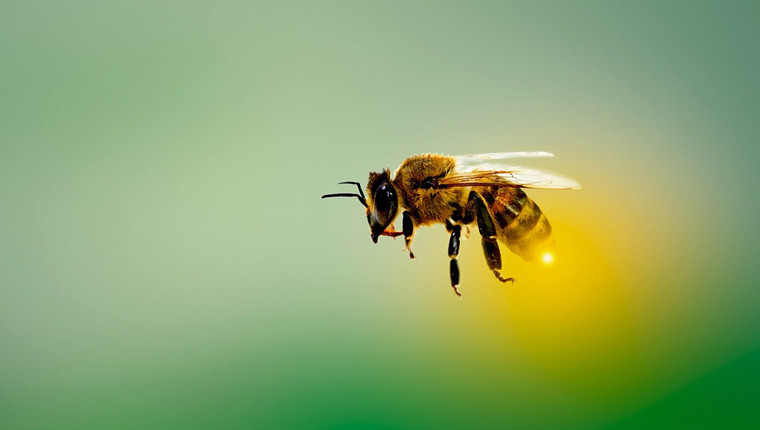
[491, 170]
[520, 177]
[477, 160]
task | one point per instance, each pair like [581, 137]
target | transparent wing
[533, 178]
[515, 177]
[492, 170]
[476, 160]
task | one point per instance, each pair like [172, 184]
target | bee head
[382, 203]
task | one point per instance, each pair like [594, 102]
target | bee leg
[488, 237]
[453, 252]
[408, 229]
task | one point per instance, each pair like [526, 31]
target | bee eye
[383, 198]
[385, 203]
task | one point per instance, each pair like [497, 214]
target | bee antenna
[358, 185]
[361, 198]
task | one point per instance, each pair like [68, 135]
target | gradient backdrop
[166, 261]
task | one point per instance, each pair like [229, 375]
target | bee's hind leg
[453, 252]
[408, 230]
[488, 236]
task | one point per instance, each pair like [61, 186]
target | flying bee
[459, 191]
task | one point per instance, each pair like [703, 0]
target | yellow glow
[547, 258]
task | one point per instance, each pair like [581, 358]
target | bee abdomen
[522, 226]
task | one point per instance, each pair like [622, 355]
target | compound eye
[385, 202]
[383, 198]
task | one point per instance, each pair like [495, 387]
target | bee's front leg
[408, 230]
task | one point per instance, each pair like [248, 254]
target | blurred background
[166, 261]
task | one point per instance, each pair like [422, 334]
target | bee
[458, 192]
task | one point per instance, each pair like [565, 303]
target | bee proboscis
[482, 189]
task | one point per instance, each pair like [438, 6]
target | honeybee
[457, 192]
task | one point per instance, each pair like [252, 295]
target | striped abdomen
[519, 221]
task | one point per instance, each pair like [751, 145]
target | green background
[166, 261]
